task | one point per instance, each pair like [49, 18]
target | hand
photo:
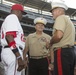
[25, 62]
[51, 67]
[47, 44]
[20, 64]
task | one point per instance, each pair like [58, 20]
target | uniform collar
[35, 35]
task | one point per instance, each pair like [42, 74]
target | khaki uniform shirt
[37, 46]
[64, 24]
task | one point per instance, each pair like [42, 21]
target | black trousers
[38, 66]
[64, 61]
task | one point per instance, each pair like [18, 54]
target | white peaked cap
[59, 3]
[40, 20]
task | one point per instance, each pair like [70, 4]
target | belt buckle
[37, 57]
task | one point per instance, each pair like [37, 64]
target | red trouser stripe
[59, 62]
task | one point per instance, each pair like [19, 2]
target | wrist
[18, 57]
[15, 51]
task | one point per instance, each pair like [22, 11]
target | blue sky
[70, 3]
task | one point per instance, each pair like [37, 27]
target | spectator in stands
[62, 40]
[12, 41]
[38, 45]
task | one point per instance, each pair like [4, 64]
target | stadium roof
[41, 5]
